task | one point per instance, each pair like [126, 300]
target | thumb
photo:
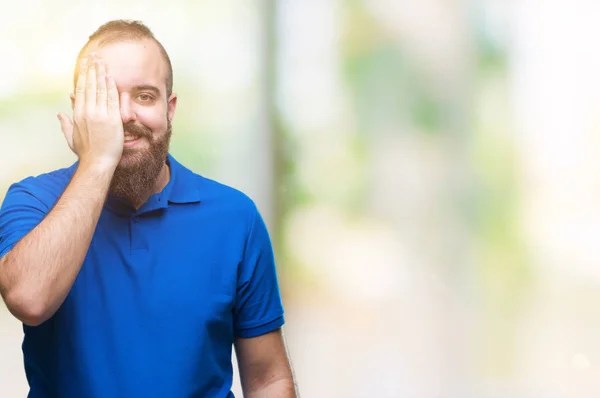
[67, 128]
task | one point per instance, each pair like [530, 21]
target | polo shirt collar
[182, 187]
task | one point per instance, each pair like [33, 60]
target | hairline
[106, 40]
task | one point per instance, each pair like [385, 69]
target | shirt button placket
[136, 236]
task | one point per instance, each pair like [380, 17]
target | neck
[162, 180]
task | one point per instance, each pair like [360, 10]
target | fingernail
[84, 62]
[58, 116]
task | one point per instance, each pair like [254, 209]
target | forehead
[134, 63]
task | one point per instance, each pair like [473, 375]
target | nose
[127, 111]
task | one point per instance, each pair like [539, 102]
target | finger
[113, 95]
[67, 128]
[101, 95]
[90, 84]
[80, 88]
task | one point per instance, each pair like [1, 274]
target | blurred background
[429, 171]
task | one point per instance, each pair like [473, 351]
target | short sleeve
[258, 307]
[21, 211]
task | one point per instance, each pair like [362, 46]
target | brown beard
[136, 175]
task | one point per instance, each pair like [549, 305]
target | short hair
[123, 30]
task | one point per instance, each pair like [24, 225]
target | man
[132, 275]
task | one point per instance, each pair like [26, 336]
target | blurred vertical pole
[270, 133]
[456, 247]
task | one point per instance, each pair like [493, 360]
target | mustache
[134, 129]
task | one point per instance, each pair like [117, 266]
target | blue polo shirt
[160, 297]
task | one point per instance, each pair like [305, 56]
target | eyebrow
[147, 87]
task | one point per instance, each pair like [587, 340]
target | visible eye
[145, 97]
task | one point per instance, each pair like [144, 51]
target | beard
[138, 170]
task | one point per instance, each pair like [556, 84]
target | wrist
[99, 165]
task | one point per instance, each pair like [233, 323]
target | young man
[132, 275]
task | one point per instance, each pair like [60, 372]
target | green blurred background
[428, 171]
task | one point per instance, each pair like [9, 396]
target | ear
[171, 105]
[72, 96]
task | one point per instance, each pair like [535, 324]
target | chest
[159, 270]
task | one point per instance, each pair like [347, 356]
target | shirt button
[135, 219]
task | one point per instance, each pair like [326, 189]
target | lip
[129, 144]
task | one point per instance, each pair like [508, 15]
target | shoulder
[214, 194]
[46, 187]
[215, 191]
[221, 205]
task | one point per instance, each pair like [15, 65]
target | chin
[132, 158]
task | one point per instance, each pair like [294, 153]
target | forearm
[282, 388]
[37, 274]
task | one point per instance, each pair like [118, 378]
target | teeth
[130, 138]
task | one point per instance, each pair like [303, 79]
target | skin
[140, 74]
[108, 103]
[264, 365]
[37, 274]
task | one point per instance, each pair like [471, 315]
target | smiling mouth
[130, 138]
[131, 141]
